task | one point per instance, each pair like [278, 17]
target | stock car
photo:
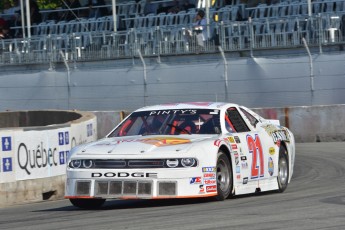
[182, 150]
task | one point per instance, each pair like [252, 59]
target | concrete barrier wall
[33, 158]
[107, 120]
[311, 123]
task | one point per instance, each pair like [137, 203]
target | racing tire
[87, 203]
[283, 170]
[224, 176]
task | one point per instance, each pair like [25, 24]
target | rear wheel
[224, 176]
[87, 203]
[283, 169]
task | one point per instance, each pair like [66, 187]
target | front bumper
[141, 183]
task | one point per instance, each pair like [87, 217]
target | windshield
[170, 122]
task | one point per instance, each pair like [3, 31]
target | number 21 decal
[255, 148]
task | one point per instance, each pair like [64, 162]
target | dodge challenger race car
[182, 150]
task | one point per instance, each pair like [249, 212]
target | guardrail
[321, 30]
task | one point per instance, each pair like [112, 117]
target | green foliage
[42, 4]
[48, 4]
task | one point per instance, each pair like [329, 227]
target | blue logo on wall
[7, 164]
[62, 157]
[66, 138]
[6, 143]
[63, 138]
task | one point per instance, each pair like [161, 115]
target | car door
[252, 165]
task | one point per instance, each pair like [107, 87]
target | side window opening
[253, 121]
[236, 120]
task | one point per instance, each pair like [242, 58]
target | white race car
[182, 150]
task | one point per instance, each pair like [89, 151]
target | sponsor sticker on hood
[164, 141]
[157, 141]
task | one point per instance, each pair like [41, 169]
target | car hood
[136, 145]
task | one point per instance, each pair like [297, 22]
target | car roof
[188, 105]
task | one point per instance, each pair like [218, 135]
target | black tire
[224, 176]
[283, 169]
[87, 203]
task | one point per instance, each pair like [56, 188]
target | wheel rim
[223, 177]
[283, 171]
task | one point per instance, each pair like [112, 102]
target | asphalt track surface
[315, 199]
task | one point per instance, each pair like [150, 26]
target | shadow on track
[113, 204]
[134, 204]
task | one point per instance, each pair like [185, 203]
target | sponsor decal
[212, 188]
[208, 169]
[280, 135]
[43, 154]
[61, 138]
[271, 150]
[237, 160]
[123, 175]
[238, 169]
[67, 138]
[231, 139]
[277, 134]
[238, 177]
[202, 189]
[270, 166]
[237, 139]
[67, 155]
[62, 157]
[6, 143]
[245, 180]
[243, 158]
[210, 182]
[157, 141]
[270, 128]
[209, 175]
[7, 164]
[195, 180]
[29, 159]
[217, 143]
[165, 141]
[233, 146]
[244, 165]
[174, 111]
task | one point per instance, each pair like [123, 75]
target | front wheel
[87, 203]
[224, 176]
[283, 170]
